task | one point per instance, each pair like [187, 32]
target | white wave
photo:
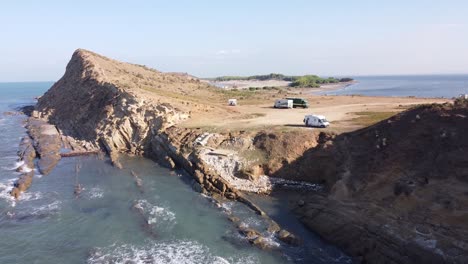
[14, 167]
[25, 168]
[48, 208]
[252, 222]
[95, 193]
[156, 214]
[271, 240]
[227, 206]
[176, 252]
[30, 196]
[18, 164]
[5, 189]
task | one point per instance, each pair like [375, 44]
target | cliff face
[397, 191]
[97, 101]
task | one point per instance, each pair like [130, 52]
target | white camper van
[283, 103]
[232, 102]
[316, 121]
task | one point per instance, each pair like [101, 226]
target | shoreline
[332, 87]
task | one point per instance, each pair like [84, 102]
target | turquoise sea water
[446, 86]
[114, 221]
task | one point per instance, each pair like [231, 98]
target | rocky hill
[397, 191]
[117, 105]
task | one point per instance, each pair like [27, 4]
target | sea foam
[157, 214]
[171, 252]
[5, 189]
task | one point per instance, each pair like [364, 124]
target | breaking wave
[175, 252]
[5, 189]
[17, 165]
[156, 214]
[30, 196]
[95, 193]
[50, 208]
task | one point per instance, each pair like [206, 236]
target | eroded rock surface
[396, 191]
[26, 154]
[47, 142]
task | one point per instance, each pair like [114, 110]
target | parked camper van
[299, 102]
[316, 121]
[283, 103]
[232, 102]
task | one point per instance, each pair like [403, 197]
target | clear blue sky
[210, 38]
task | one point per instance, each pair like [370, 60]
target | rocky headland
[394, 192]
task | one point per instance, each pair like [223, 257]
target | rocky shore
[390, 193]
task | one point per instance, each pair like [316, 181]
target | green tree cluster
[312, 81]
[297, 81]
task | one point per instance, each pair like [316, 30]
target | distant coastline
[423, 86]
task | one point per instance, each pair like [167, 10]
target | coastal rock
[400, 203]
[273, 227]
[197, 187]
[288, 238]
[27, 154]
[22, 184]
[47, 142]
[116, 118]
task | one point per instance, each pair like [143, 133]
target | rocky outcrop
[89, 103]
[26, 154]
[43, 141]
[47, 143]
[395, 191]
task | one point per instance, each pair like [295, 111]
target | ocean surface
[114, 221]
[446, 86]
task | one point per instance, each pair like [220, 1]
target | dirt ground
[343, 112]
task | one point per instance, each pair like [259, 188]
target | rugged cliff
[98, 100]
[397, 191]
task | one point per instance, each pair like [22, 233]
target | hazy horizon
[209, 39]
[352, 76]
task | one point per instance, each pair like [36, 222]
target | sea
[113, 220]
[439, 86]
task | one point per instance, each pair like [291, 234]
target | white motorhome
[232, 102]
[316, 121]
[283, 103]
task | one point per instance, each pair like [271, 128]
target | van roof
[317, 116]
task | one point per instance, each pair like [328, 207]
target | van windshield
[323, 120]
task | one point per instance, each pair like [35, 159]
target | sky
[214, 38]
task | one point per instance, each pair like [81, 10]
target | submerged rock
[288, 238]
